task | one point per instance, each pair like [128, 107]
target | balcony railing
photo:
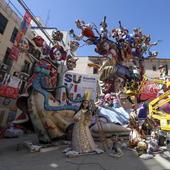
[4, 67]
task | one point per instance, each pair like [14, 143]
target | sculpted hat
[87, 95]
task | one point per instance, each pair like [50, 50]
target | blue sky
[152, 16]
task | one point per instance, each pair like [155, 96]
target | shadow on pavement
[10, 159]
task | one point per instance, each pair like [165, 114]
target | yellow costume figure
[82, 140]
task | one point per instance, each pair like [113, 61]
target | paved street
[10, 159]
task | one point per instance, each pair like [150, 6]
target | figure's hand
[52, 98]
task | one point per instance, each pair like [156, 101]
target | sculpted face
[85, 104]
[39, 41]
[118, 84]
[74, 45]
[71, 63]
[24, 45]
[106, 46]
[57, 36]
[57, 55]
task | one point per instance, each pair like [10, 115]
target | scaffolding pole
[22, 3]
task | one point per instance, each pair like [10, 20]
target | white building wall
[82, 66]
[149, 64]
[49, 33]
[13, 21]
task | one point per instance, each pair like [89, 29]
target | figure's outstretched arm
[76, 37]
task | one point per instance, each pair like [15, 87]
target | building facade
[151, 65]
[9, 27]
[82, 66]
[13, 73]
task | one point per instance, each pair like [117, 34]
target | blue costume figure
[40, 84]
[142, 113]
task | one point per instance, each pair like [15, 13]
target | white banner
[77, 85]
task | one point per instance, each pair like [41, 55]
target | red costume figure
[86, 31]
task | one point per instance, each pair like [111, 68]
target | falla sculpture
[119, 51]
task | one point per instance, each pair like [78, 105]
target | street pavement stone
[11, 159]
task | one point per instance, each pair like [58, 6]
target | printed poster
[77, 84]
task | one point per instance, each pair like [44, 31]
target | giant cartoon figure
[50, 119]
[122, 54]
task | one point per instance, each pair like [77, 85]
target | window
[95, 70]
[3, 23]
[22, 88]
[154, 67]
[166, 69]
[14, 34]
[7, 60]
[26, 67]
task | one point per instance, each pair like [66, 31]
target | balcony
[4, 67]
[23, 76]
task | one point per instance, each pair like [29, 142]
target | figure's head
[118, 84]
[79, 23]
[24, 45]
[154, 135]
[57, 35]
[114, 33]
[71, 62]
[147, 39]
[137, 32]
[86, 100]
[108, 98]
[57, 53]
[74, 45]
[106, 45]
[108, 86]
[39, 41]
[102, 47]
[85, 104]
